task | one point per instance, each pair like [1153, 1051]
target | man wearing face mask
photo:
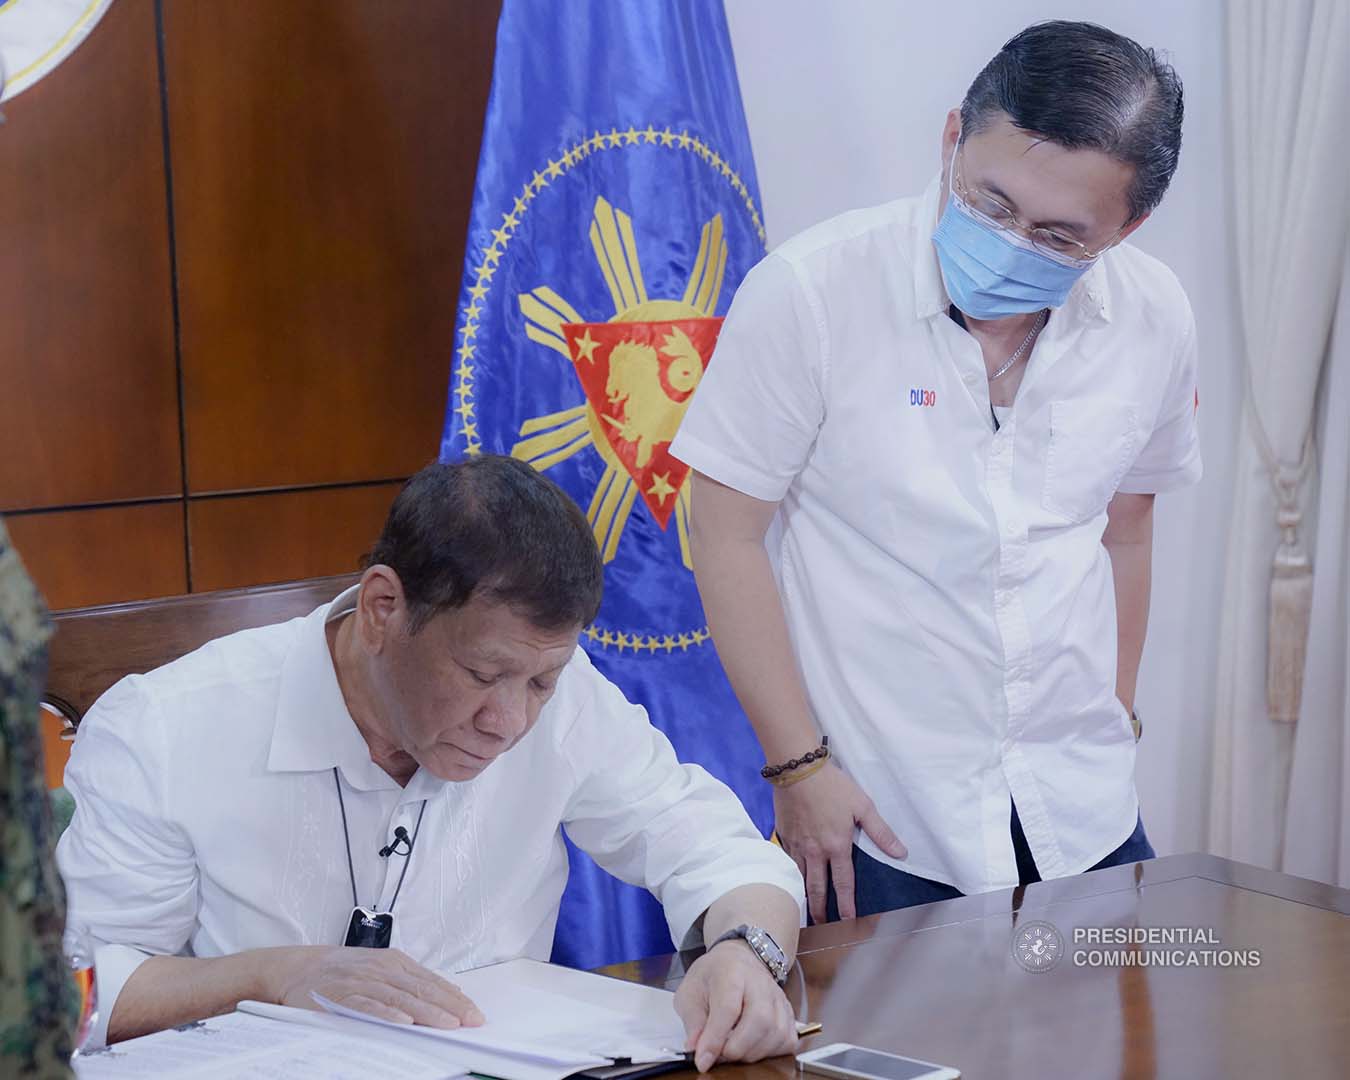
[361, 801]
[956, 410]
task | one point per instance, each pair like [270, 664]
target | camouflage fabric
[37, 994]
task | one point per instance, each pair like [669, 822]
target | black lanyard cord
[346, 836]
[408, 857]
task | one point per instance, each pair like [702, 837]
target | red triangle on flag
[639, 378]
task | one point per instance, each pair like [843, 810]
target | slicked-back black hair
[1083, 86]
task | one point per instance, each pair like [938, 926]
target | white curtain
[1317, 828]
[1289, 83]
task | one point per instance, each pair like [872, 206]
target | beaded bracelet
[798, 775]
[821, 753]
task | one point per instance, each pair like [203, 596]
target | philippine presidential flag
[615, 212]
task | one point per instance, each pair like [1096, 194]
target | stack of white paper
[543, 1023]
[546, 1022]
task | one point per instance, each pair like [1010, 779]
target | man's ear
[951, 135]
[381, 607]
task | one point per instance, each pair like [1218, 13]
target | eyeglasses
[1001, 216]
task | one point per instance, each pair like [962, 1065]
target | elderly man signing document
[249, 812]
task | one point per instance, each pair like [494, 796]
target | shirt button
[969, 379]
[1010, 529]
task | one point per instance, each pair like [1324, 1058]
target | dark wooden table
[940, 982]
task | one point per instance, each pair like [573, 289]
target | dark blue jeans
[881, 887]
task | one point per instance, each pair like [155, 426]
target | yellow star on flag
[661, 487]
[586, 346]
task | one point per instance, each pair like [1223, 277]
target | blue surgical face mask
[991, 273]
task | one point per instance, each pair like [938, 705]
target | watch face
[767, 941]
[762, 944]
[774, 958]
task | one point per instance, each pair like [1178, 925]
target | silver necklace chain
[1026, 341]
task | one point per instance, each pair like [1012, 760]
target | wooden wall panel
[323, 155]
[284, 536]
[105, 555]
[323, 158]
[88, 389]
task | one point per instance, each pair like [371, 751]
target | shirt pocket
[1092, 442]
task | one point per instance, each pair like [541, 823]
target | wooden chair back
[96, 646]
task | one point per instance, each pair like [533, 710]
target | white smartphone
[849, 1061]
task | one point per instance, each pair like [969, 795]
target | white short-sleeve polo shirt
[949, 600]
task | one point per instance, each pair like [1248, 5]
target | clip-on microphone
[400, 837]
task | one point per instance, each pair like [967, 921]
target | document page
[545, 1021]
[241, 1045]
[577, 1011]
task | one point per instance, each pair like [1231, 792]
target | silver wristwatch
[763, 946]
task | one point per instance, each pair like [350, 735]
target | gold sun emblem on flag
[639, 370]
